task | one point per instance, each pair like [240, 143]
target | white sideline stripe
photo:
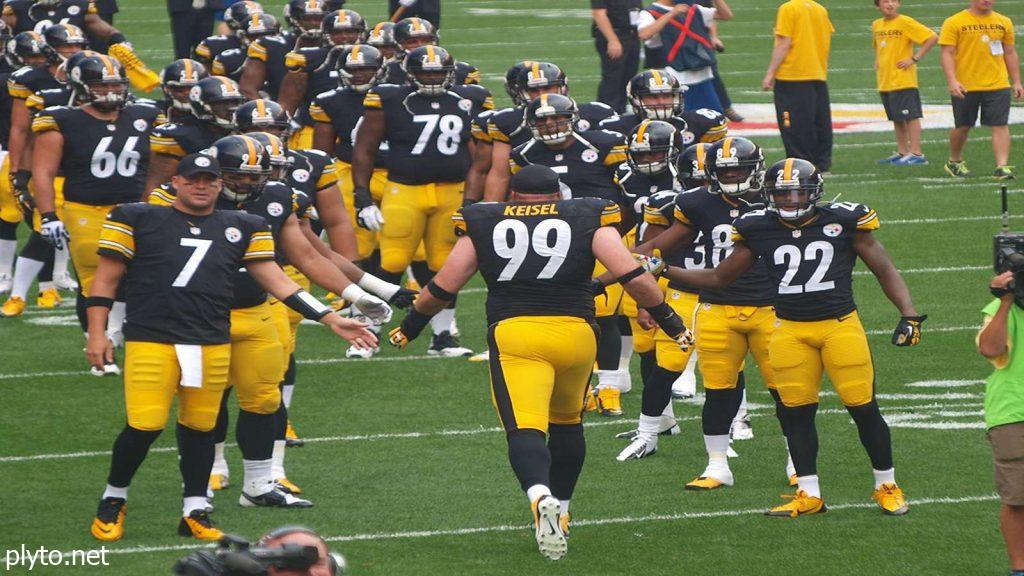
[930, 330]
[944, 383]
[577, 523]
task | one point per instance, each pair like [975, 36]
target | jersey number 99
[513, 242]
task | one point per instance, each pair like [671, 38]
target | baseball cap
[535, 179]
[198, 163]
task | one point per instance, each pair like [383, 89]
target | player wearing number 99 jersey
[810, 251]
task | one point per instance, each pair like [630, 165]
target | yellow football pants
[536, 378]
[302, 139]
[418, 213]
[725, 334]
[614, 300]
[667, 351]
[10, 211]
[58, 202]
[257, 359]
[288, 315]
[643, 340]
[800, 351]
[152, 377]
[366, 240]
[84, 223]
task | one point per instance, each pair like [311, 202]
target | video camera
[235, 557]
[1007, 247]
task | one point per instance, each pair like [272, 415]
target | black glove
[19, 187]
[908, 331]
[403, 298]
[597, 288]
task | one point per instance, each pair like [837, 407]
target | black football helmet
[262, 115]
[29, 48]
[382, 37]
[257, 26]
[691, 166]
[655, 94]
[735, 166]
[653, 147]
[512, 87]
[178, 78]
[414, 32]
[431, 69]
[359, 66]
[229, 63]
[541, 78]
[99, 80]
[245, 167]
[552, 118]
[792, 188]
[343, 27]
[277, 148]
[65, 39]
[240, 12]
[214, 100]
[306, 16]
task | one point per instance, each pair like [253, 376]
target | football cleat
[703, 483]
[800, 504]
[447, 345]
[273, 498]
[591, 403]
[609, 401]
[632, 434]
[364, 353]
[287, 486]
[64, 281]
[957, 169]
[5, 283]
[741, 429]
[548, 527]
[639, 448]
[481, 357]
[219, 481]
[1004, 173]
[793, 481]
[291, 437]
[49, 298]
[563, 522]
[891, 499]
[109, 522]
[198, 525]
[13, 307]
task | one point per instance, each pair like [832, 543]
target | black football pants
[804, 114]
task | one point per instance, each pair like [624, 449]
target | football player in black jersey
[177, 80]
[427, 127]
[411, 33]
[10, 210]
[256, 25]
[810, 251]
[382, 37]
[539, 299]
[182, 263]
[230, 63]
[264, 68]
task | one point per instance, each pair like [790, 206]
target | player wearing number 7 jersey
[810, 251]
[537, 253]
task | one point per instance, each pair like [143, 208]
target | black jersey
[625, 123]
[181, 269]
[586, 168]
[30, 16]
[229, 63]
[509, 125]
[636, 185]
[660, 211]
[694, 126]
[209, 48]
[537, 259]
[342, 108]
[319, 78]
[50, 97]
[271, 50]
[27, 81]
[811, 266]
[592, 114]
[103, 162]
[5, 104]
[712, 215]
[428, 136]
[186, 136]
[311, 171]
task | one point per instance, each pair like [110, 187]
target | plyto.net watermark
[33, 558]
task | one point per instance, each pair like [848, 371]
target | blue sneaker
[911, 160]
[892, 159]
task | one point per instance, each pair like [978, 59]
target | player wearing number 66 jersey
[810, 251]
[536, 253]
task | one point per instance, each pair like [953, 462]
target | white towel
[190, 359]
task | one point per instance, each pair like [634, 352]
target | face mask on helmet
[224, 111]
[552, 128]
[734, 174]
[431, 71]
[280, 162]
[660, 106]
[382, 37]
[108, 96]
[241, 186]
[792, 203]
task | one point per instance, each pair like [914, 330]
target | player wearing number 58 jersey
[537, 253]
[810, 252]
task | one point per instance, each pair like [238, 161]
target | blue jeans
[701, 95]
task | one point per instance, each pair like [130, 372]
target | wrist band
[667, 319]
[638, 271]
[116, 38]
[99, 301]
[414, 323]
[306, 304]
[374, 285]
[439, 293]
[48, 217]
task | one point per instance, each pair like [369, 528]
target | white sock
[809, 484]
[258, 476]
[25, 272]
[193, 503]
[442, 321]
[536, 491]
[220, 465]
[884, 477]
[649, 427]
[115, 492]
[8, 249]
[668, 416]
[60, 261]
[718, 450]
[44, 286]
[563, 507]
[286, 394]
[607, 378]
[742, 412]
[626, 353]
[790, 467]
[277, 471]
[115, 321]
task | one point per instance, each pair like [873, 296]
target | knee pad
[264, 400]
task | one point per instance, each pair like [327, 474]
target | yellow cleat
[792, 481]
[108, 525]
[891, 499]
[49, 298]
[288, 486]
[547, 526]
[591, 403]
[563, 521]
[291, 438]
[799, 504]
[13, 307]
[704, 483]
[219, 481]
[609, 401]
[198, 525]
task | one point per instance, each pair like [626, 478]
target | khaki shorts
[1008, 452]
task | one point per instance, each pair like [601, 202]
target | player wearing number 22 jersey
[810, 252]
[537, 254]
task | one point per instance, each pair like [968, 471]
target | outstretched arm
[727, 271]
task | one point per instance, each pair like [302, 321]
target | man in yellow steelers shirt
[894, 36]
[980, 59]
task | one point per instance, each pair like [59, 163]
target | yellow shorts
[667, 351]
[257, 359]
[725, 334]
[801, 350]
[609, 303]
[366, 240]
[58, 202]
[10, 210]
[414, 214]
[536, 378]
[302, 139]
[293, 318]
[152, 377]
[84, 223]
[643, 340]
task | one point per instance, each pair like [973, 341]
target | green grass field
[404, 459]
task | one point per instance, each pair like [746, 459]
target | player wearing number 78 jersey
[810, 251]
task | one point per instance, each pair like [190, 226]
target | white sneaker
[484, 356]
[454, 328]
[273, 498]
[447, 345]
[548, 529]
[640, 447]
[364, 353]
[631, 435]
[685, 386]
[741, 429]
[5, 283]
[64, 281]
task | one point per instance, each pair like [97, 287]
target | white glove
[371, 218]
[54, 232]
[368, 305]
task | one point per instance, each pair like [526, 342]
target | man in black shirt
[614, 32]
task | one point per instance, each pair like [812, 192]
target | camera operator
[286, 551]
[999, 341]
[327, 564]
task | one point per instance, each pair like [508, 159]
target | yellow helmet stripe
[702, 154]
[787, 169]
[108, 64]
[188, 69]
[641, 130]
[261, 107]
[355, 52]
[657, 77]
[430, 52]
[543, 100]
[727, 148]
[254, 157]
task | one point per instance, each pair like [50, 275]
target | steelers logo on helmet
[792, 188]
[652, 147]
[431, 69]
[99, 80]
[234, 235]
[552, 118]
[735, 167]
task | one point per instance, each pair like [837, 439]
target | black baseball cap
[198, 163]
[535, 179]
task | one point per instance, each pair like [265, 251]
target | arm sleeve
[784, 22]
[919, 33]
[261, 244]
[610, 214]
[117, 237]
[948, 34]
[869, 221]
